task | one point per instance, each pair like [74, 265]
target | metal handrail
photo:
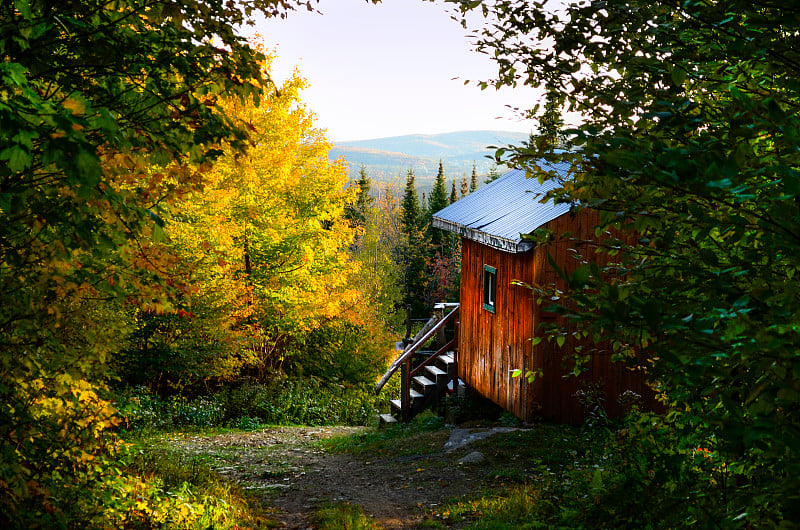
[417, 344]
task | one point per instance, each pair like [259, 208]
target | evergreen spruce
[410, 206]
[493, 174]
[412, 251]
[438, 201]
[438, 198]
[473, 184]
[358, 212]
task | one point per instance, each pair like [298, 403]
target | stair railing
[433, 327]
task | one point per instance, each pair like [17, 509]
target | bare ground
[294, 476]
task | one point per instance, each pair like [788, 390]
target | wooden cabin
[498, 317]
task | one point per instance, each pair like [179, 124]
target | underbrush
[627, 474]
[249, 405]
[337, 516]
[177, 490]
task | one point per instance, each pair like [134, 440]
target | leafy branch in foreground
[688, 147]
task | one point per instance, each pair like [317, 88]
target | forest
[178, 254]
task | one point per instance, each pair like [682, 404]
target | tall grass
[343, 516]
[249, 404]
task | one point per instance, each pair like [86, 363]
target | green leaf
[678, 75]
[14, 73]
[18, 158]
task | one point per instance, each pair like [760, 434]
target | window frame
[490, 288]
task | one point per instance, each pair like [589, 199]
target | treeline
[422, 266]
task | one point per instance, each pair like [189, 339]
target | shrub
[249, 404]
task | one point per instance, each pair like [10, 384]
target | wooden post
[408, 325]
[405, 390]
[441, 338]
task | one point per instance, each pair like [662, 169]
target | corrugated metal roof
[499, 212]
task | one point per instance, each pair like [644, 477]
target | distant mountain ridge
[388, 159]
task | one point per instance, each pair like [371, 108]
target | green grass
[192, 477]
[343, 516]
[536, 476]
[420, 436]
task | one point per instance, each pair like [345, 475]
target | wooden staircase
[426, 382]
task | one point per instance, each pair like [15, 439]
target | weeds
[343, 516]
[249, 405]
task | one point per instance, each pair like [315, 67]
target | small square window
[489, 288]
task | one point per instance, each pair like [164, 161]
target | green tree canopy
[437, 201]
[359, 211]
[689, 148]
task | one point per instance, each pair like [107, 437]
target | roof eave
[513, 246]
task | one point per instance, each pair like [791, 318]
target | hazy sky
[388, 70]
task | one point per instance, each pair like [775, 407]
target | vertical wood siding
[492, 345]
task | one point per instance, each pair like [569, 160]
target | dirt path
[295, 476]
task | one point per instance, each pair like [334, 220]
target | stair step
[387, 418]
[424, 383]
[415, 398]
[446, 362]
[436, 374]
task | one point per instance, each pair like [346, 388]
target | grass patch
[343, 516]
[191, 479]
[514, 508]
[420, 436]
[537, 475]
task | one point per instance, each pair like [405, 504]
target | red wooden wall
[492, 345]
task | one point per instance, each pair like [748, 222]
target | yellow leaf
[78, 108]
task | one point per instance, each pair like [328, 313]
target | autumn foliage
[165, 212]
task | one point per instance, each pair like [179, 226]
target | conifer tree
[453, 192]
[411, 254]
[358, 212]
[493, 174]
[410, 206]
[364, 200]
[464, 187]
[473, 184]
[438, 198]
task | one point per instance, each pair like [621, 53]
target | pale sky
[388, 70]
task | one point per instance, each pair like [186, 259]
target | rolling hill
[388, 159]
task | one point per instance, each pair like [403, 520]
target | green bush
[143, 410]
[249, 404]
[338, 353]
[301, 401]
